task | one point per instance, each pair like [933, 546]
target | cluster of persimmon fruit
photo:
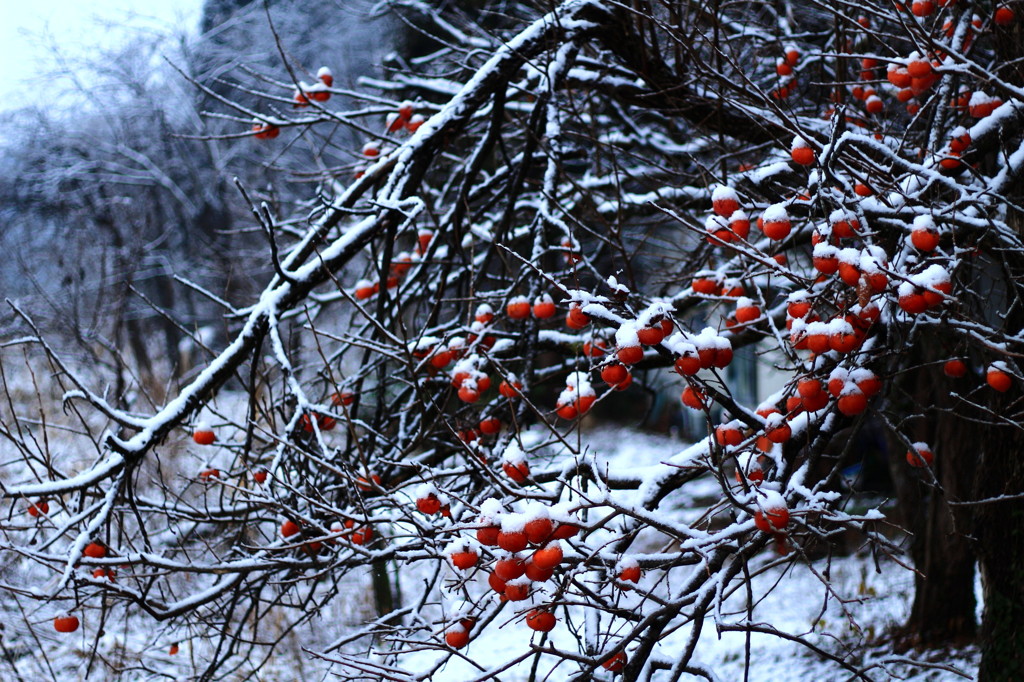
[521, 550]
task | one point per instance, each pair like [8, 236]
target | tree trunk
[999, 542]
[943, 612]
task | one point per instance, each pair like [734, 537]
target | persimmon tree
[607, 194]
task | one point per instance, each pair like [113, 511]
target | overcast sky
[30, 28]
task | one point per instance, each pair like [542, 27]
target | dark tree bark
[999, 541]
[943, 612]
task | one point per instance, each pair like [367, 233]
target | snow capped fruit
[844, 225]
[576, 318]
[867, 381]
[1004, 16]
[981, 104]
[898, 75]
[852, 401]
[912, 302]
[65, 623]
[739, 223]
[724, 201]
[918, 66]
[265, 131]
[512, 541]
[825, 260]
[468, 392]
[808, 388]
[922, 8]
[954, 368]
[709, 286]
[801, 153]
[773, 515]
[510, 390]
[920, 456]
[518, 308]
[541, 621]
[630, 355]
[318, 92]
[728, 434]
[543, 307]
[777, 430]
[414, 123]
[775, 222]
[688, 363]
[464, 560]
[616, 663]
[998, 378]
[457, 637]
[924, 235]
[289, 529]
[208, 474]
[650, 336]
[567, 411]
[517, 591]
[429, 504]
[364, 289]
[548, 557]
[518, 472]
[630, 574]
[204, 435]
[746, 311]
[538, 530]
